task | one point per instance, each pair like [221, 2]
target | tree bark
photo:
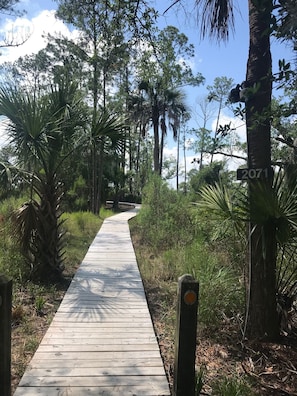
[155, 119]
[262, 318]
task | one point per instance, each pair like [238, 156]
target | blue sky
[211, 59]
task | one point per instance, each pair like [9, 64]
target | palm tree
[43, 131]
[140, 161]
[152, 102]
[173, 109]
[217, 18]
[165, 107]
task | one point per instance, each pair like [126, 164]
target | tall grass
[12, 263]
[232, 386]
[79, 230]
[175, 240]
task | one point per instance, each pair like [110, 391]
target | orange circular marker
[190, 297]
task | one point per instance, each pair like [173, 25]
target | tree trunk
[100, 176]
[94, 178]
[177, 159]
[47, 243]
[155, 120]
[214, 148]
[262, 319]
[163, 134]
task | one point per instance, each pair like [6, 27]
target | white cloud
[37, 29]
[232, 163]
[170, 151]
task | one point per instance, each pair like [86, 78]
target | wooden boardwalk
[101, 340]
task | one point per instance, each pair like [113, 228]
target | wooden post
[185, 338]
[5, 334]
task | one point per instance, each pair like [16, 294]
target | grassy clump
[12, 264]
[231, 386]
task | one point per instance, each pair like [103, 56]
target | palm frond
[276, 206]
[110, 129]
[217, 18]
[27, 123]
[5, 174]
[26, 220]
[217, 199]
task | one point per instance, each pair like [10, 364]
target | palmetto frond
[273, 208]
[28, 123]
[110, 130]
[26, 220]
[276, 207]
[219, 201]
[5, 174]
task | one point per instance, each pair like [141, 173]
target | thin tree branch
[282, 140]
[230, 155]
[171, 5]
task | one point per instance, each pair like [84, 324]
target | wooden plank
[99, 348]
[101, 310]
[101, 340]
[110, 355]
[44, 363]
[74, 319]
[54, 334]
[92, 381]
[94, 371]
[105, 304]
[99, 332]
[107, 294]
[134, 320]
[115, 390]
[98, 325]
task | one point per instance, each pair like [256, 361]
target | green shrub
[164, 219]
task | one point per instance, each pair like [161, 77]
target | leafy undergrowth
[226, 365]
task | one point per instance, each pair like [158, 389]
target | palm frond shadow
[107, 285]
[97, 294]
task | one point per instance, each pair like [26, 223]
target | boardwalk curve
[101, 340]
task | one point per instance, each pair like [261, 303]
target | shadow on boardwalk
[101, 340]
